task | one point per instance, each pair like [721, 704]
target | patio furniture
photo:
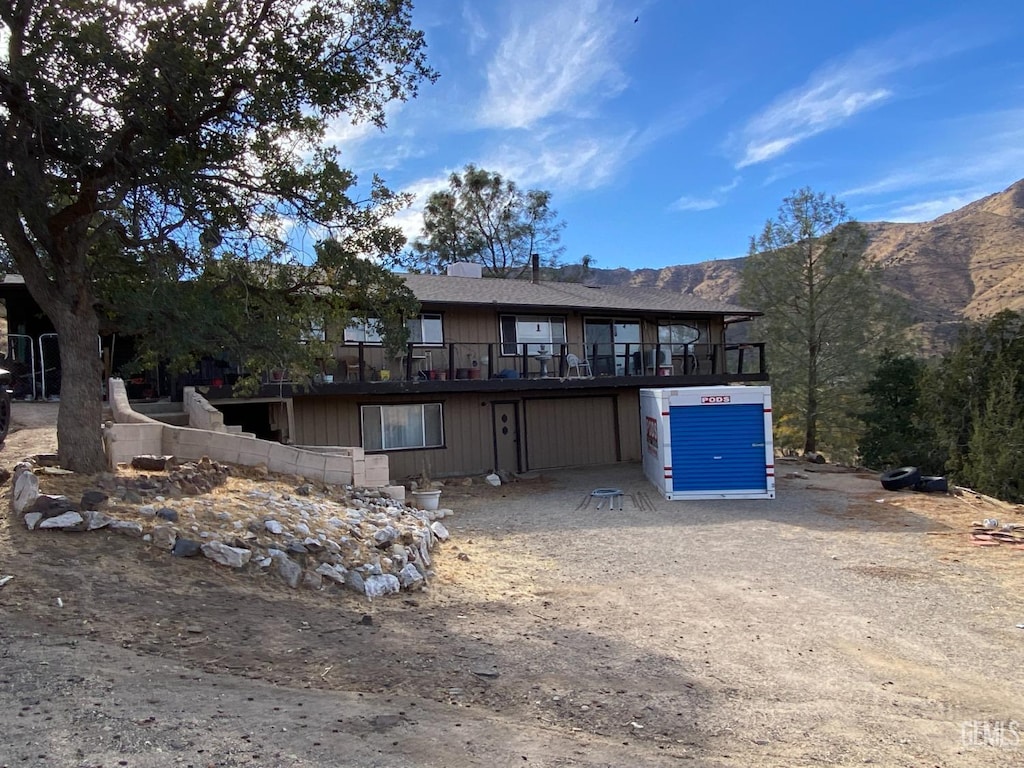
[573, 362]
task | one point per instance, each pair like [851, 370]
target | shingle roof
[486, 291]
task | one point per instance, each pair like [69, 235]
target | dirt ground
[838, 624]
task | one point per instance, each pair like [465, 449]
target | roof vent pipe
[535, 261]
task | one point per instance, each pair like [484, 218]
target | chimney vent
[535, 261]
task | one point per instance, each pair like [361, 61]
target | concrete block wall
[201, 414]
[133, 434]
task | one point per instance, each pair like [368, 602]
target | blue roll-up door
[718, 447]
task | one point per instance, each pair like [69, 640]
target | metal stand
[611, 495]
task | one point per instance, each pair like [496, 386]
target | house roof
[487, 291]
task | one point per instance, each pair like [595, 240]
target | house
[515, 375]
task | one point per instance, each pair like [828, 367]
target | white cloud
[695, 204]
[838, 91]
[715, 200]
[926, 210]
[977, 154]
[554, 59]
[410, 220]
[475, 27]
[824, 103]
[562, 161]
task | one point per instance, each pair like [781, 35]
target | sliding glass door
[611, 344]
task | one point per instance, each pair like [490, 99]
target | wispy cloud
[695, 204]
[554, 58]
[562, 162]
[715, 200]
[475, 27]
[975, 155]
[410, 220]
[838, 91]
[926, 210]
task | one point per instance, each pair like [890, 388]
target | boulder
[232, 557]
[26, 491]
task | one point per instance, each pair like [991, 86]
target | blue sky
[670, 140]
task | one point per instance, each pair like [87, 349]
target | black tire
[5, 413]
[898, 479]
[932, 484]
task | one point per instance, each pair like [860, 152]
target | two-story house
[515, 375]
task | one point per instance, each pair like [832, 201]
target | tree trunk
[811, 421]
[80, 445]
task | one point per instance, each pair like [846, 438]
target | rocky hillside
[966, 264]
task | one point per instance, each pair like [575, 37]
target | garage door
[570, 432]
[718, 448]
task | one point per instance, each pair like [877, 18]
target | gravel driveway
[837, 624]
[832, 625]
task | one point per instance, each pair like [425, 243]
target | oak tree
[155, 137]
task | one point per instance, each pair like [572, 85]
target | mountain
[967, 264]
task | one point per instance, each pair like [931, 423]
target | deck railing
[466, 360]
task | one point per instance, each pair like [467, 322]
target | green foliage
[263, 316]
[897, 429]
[484, 218]
[962, 416]
[147, 141]
[824, 311]
[994, 463]
[975, 398]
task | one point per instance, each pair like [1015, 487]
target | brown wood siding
[628, 408]
[570, 431]
[561, 431]
[468, 433]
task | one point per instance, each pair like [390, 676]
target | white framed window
[402, 426]
[426, 329]
[365, 331]
[540, 333]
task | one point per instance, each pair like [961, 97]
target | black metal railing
[489, 360]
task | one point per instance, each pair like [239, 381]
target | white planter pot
[427, 500]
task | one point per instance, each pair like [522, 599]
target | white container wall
[709, 442]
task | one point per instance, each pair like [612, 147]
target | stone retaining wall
[134, 434]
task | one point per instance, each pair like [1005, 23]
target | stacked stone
[362, 541]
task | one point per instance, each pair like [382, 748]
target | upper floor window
[540, 333]
[366, 331]
[679, 336]
[423, 329]
[426, 329]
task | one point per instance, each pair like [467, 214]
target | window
[534, 331]
[401, 427]
[426, 329]
[366, 331]
[315, 332]
[679, 335]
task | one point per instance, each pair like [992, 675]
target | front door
[506, 437]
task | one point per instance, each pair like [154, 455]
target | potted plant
[426, 496]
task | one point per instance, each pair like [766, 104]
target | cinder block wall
[134, 434]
